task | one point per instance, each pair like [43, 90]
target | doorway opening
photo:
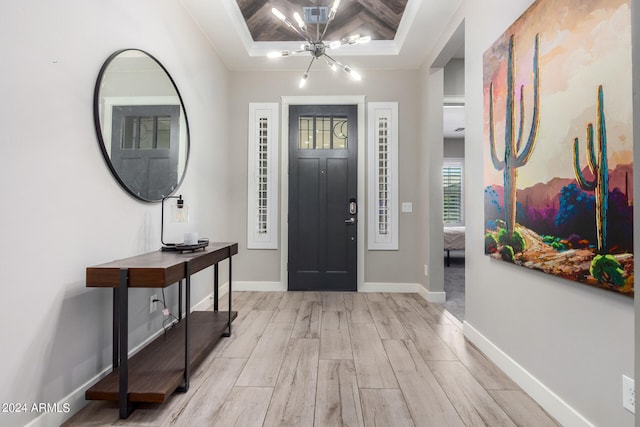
[453, 184]
[447, 160]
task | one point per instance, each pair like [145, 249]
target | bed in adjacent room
[453, 239]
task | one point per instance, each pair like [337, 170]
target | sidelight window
[262, 176]
[383, 175]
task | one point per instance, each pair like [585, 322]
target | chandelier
[316, 46]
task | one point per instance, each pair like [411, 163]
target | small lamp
[179, 213]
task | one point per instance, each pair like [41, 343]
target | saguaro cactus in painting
[515, 154]
[600, 170]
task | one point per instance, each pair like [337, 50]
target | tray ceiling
[404, 32]
[378, 19]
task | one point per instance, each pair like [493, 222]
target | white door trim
[358, 100]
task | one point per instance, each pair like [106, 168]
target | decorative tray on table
[183, 247]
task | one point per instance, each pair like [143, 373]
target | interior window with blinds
[453, 195]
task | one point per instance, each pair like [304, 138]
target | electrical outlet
[153, 303]
[426, 270]
[628, 394]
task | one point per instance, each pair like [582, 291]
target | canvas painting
[559, 145]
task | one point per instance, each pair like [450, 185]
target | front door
[323, 162]
[144, 148]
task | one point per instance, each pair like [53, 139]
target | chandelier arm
[325, 29]
[329, 64]
[332, 15]
[298, 32]
[306, 35]
[334, 60]
[313, 58]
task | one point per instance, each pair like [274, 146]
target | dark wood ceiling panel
[389, 12]
[376, 18]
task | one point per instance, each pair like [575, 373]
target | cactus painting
[515, 156]
[598, 166]
[558, 200]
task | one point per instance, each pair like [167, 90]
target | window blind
[452, 182]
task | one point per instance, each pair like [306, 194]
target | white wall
[62, 209]
[453, 147]
[454, 78]
[575, 340]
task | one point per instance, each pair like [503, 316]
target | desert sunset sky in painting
[583, 44]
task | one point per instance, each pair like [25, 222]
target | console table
[163, 366]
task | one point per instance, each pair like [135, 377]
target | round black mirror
[141, 124]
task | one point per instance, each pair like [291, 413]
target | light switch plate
[407, 207]
[628, 394]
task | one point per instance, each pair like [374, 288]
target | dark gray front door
[144, 148]
[323, 162]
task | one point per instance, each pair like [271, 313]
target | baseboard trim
[434, 297]
[207, 302]
[388, 287]
[550, 401]
[437, 297]
[259, 286]
[76, 401]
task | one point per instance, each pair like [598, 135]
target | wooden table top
[158, 269]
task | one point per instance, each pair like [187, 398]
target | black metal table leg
[180, 300]
[185, 386]
[228, 334]
[115, 328]
[215, 287]
[123, 302]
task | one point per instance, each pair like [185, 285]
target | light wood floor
[327, 359]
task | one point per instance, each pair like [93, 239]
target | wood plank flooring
[338, 359]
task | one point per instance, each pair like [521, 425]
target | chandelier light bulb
[303, 81]
[365, 39]
[278, 14]
[299, 20]
[352, 73]
[334, 9]
[353, 39]
[334, 45]
[331, 64]
[276, 54]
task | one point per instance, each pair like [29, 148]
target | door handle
[350, 221]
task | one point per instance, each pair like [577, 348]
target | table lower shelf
[157, 370]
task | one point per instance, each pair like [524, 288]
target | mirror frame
[98, 124]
